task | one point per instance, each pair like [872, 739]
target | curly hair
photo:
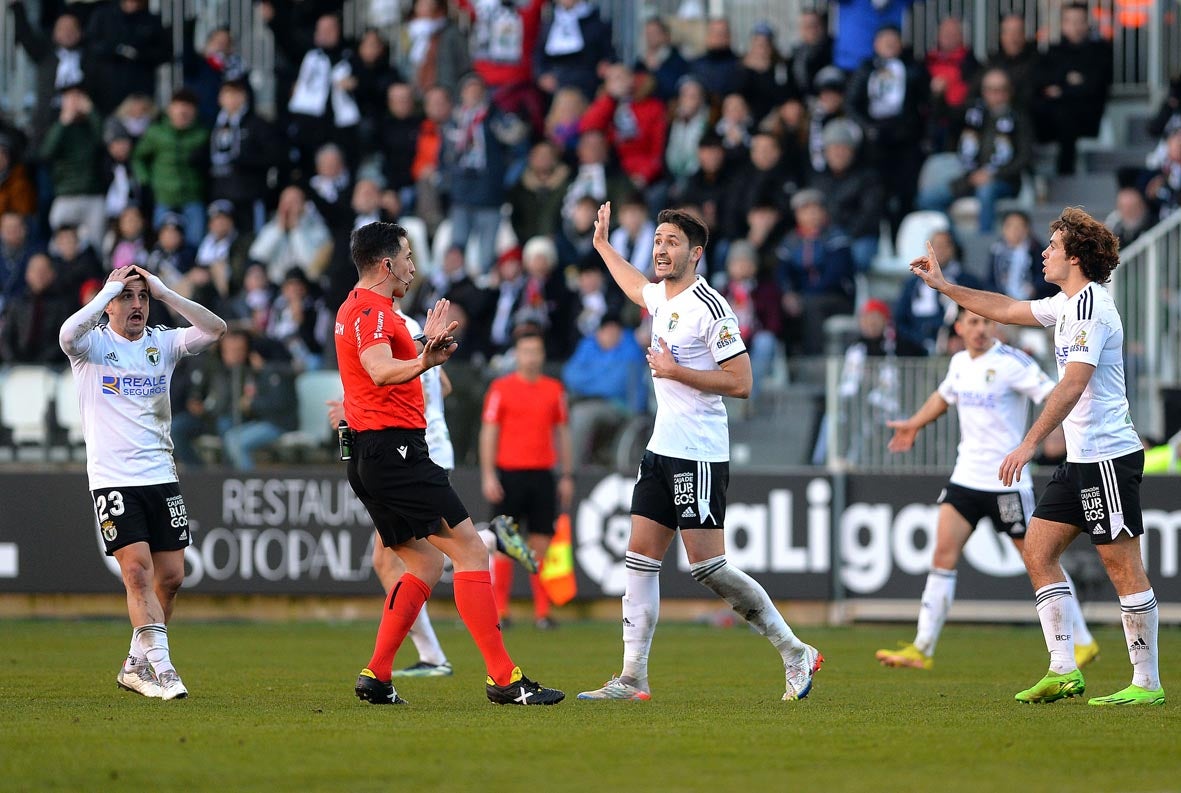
[1095, 246]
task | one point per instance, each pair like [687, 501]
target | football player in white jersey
[696, 358]
[1097, 490]
[503, 533]
[991, 385]
[123, 369]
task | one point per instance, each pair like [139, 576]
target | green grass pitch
[271, 709]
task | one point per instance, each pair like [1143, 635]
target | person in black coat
[62, 59]
[242, 150]
[28, 327]
[127, 43]
[888, 97]
[852, 191]
[812, 53]
[571, 47]
[1075, 78]
[397, 139]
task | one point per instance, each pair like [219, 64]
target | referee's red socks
[401, 609]
[502, 582]
[473, 599]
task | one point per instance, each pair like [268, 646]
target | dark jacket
[816, 266]
[1000, 142]
[127, 48]
[240, 155]
[578, 69]
[398, 140]
[75, 156]
[1084, 103]
[29, 326]
[901, 129]
[1033, 280]
[474, 180]
[42, 51]
[718, 71]
[854, 199]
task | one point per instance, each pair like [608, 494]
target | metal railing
[862, 395]
[1147, 291]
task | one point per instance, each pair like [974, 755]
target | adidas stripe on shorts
[1102, 499]
[154, 514]
[681, 494]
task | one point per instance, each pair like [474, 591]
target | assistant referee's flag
[557, 571]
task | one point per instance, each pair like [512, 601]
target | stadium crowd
[493, 129]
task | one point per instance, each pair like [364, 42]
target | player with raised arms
[1097, 490]
[123, 369]
[991, 385]
[697, 357]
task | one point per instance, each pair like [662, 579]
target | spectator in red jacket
[952, 68]
[635, 123]
[503, 37]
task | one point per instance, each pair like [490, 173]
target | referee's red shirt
[526, 413]
[364, 320]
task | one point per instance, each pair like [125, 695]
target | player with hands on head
[1097, 490]
[991, 385]
[123, 369]
[697, 357]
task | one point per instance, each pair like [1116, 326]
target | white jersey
[126, 414]
[991, 393]
[438, 437]
[700, 329]
[1087, 329]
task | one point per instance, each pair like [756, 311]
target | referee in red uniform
[524, 414]
[413, 506]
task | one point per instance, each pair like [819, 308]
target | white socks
[422, 633]
[747, 597]
[938, 595]
[1141, 619]
[1056, 608]
[153, 644]
[1082, 634]
[641, 610]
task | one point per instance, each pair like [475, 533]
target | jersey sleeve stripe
[732, 357]
[1086, 304]
[1015, 353]
[714, 305]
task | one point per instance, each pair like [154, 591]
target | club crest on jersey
[989, 375]
[726, 337]
[109, 530]
[673, 320]
[1080, 342]
[153, 356]
[110, 384]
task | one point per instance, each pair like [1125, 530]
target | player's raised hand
[1014, 461]
[124, 274]
[156, 287]
[603, 225]
[661, 360]
[436, 318]
[927, 267]
[904, 435]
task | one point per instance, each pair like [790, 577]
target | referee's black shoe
[520, 690]
[370, 689]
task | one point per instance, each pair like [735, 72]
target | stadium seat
[67, 410]
[913, 233]
[314, 433]
[424, 260]
[25, 398]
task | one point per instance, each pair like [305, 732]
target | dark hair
[1095, 246]
[185, 95]
[1021, 213]
[373, 242]
[527, 330]
[690, 224]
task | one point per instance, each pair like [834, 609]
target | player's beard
[681, 269]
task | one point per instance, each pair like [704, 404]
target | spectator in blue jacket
[815, 274]
[718, 69]
[857, 23]
[607, 383]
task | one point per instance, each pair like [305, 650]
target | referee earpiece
[389, 266]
